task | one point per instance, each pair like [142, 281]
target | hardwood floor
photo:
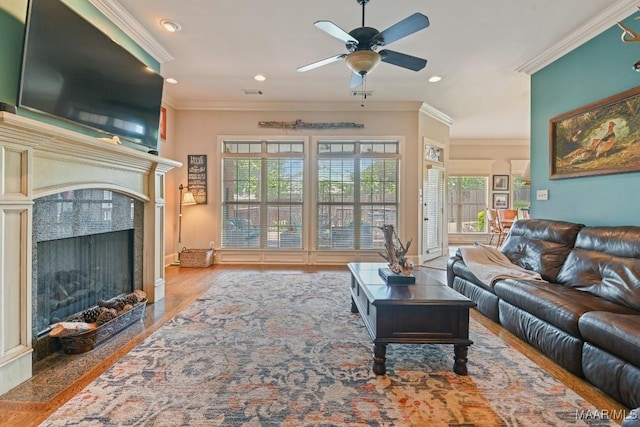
[54, 382]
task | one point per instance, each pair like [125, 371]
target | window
[521, 193]
[262, 198]
[357, 192]
[467, 204]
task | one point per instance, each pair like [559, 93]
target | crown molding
[489, 142]
[436, 114]
[297, 106]
[168, 101]
[598, 24]
[132, 28]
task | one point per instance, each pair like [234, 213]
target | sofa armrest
[450, 275]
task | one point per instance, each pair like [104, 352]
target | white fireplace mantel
[38, 159]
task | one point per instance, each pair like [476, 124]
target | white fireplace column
[37, 159]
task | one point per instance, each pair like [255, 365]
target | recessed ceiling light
[171, 80]
[171, 26]
[260, 77]
[434, 79]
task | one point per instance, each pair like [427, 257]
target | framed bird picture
[598, 139]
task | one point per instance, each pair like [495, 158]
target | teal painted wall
[93, 15]
[12, 18]
[598, 69]
[11, 42]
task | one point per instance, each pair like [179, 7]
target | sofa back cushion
[541, 245]
[606, 262]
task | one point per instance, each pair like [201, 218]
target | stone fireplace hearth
[37, 161]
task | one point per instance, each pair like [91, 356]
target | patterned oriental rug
[272, 348]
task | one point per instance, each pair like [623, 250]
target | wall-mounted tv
[72, 70]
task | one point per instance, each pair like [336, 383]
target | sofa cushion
[541, 245]
[617, 333]
[559, 345]
[559, 305]
[611, 374]
[606, 262]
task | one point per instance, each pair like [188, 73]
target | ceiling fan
[363, 42]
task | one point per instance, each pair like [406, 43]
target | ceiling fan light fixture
[363, 61]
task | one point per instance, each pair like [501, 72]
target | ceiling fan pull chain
[364, 90]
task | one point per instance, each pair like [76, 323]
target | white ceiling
[476, 46]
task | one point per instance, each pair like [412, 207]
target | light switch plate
[542, 195]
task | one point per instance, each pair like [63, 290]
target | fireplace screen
[74, 273]
[87, 246]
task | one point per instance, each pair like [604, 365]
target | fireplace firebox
[76, 272]
[87, 246]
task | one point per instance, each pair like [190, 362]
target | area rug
[276, 348]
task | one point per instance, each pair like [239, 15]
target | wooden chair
[495, 228]
[507, 217]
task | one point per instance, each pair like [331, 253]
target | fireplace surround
[38, 160]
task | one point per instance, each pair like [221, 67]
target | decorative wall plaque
[299, 124]
[197, 177]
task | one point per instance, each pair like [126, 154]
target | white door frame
[438, 165]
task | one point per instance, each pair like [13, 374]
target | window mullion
[357, 210]
[264, 203]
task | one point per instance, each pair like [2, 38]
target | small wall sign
[197, 177]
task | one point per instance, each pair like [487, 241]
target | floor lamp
[185, 200]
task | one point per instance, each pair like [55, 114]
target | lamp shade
[363, 61]
[188, 199]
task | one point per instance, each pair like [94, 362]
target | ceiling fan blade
[402, 60]
[321, 63]
[407, 26]
[356, 81]
[335, 31]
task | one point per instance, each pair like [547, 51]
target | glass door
[432, 206]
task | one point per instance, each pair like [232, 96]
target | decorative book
[394, 278]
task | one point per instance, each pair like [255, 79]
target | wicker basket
[199, 258]
[85, 341]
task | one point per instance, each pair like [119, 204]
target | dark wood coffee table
[427, 312]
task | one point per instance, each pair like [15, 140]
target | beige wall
[197, 132]
[500, 153]
[486, 158]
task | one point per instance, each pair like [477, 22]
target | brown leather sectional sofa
[586, 317]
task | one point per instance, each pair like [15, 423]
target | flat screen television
[72, 70]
